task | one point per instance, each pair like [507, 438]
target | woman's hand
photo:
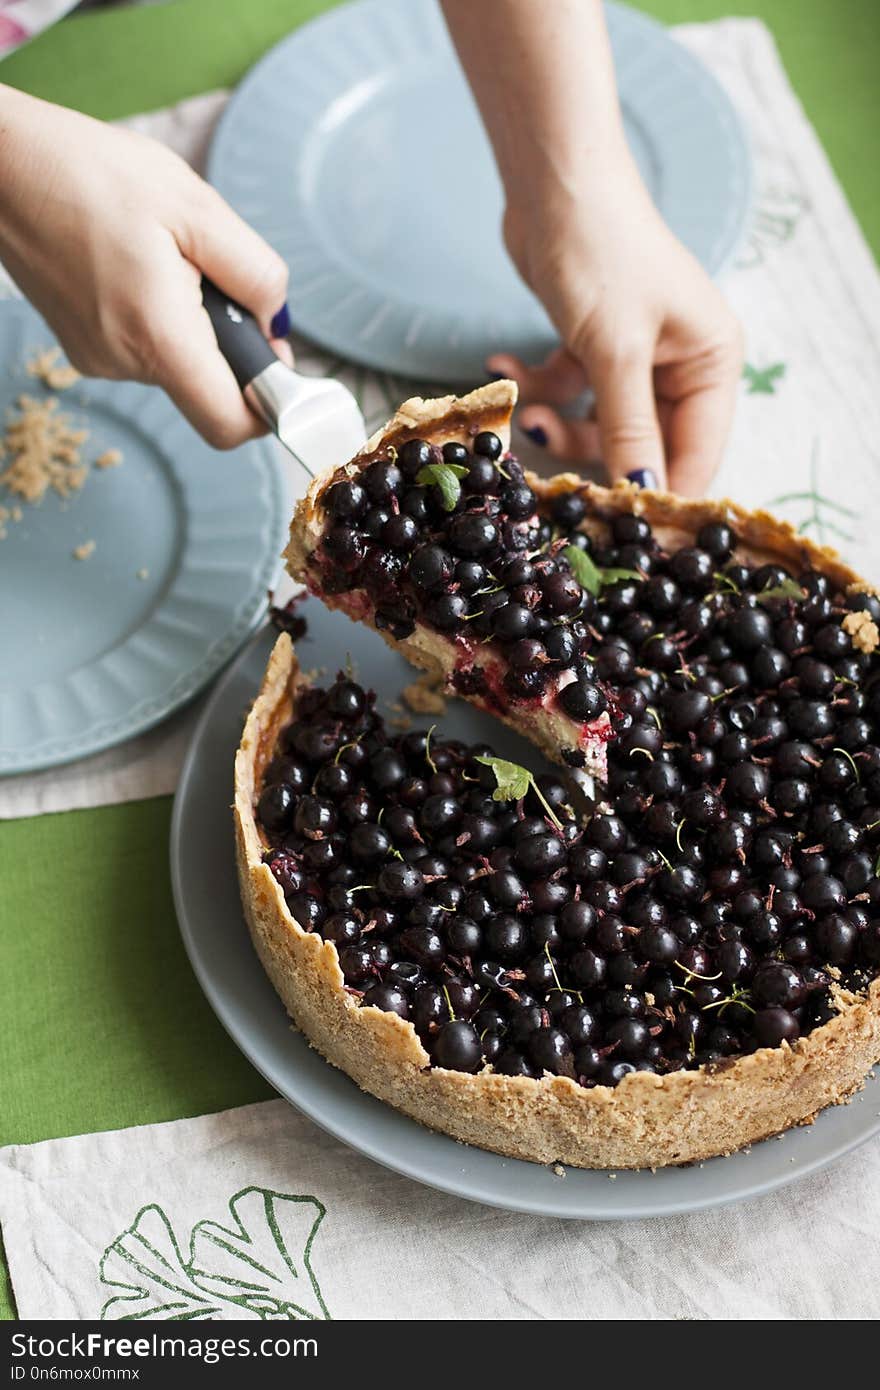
[641, 324]
[108, 234]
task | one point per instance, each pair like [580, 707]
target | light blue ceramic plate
[186, 546]
[216, 938]
[355, 147]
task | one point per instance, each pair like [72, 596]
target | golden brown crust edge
[646, 1121]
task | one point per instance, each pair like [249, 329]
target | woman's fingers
[282, 348]
[575, 440]
[698, 397]
[696, 432]
[186, 362]
[632, 446]
[237, 259]
[663, 406]
[558, 380]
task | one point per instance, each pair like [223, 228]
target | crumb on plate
[44, 450]
[111, 458]
[82, 552]
[58, 376]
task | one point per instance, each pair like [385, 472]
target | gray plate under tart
[219, 947]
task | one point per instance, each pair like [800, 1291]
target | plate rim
[217, 994]
[391, 359]
[181, 686]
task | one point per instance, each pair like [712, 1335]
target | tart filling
[648, 1118]
[687, 925]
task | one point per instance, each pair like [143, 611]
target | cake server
[317, 419]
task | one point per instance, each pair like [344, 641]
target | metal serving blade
[317, 419]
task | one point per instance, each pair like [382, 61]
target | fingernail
[643, 477]
[537, 434]
[280, 324]
[494, 376]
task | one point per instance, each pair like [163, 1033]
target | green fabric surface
[103, 1024]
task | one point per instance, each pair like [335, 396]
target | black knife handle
[239, 336]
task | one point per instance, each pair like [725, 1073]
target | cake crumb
[425, 695]
[612, 1177]
[143, 573]
[111, 458]
[863, 631]
[58, 376]
[559, 1170]
[44, 450]
[82, 552]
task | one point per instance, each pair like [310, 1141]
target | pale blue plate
[355, 148]
[186, 546]
[216, 938]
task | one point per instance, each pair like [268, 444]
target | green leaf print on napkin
[817, 507]
[761, 381]
[260, 1264]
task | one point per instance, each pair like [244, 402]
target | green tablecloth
[103, 1024]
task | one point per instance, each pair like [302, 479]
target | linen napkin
[256, 1213]
[807, 435]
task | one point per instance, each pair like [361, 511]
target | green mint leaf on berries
[612, 575]
[514, 782]
[591, 576]
[446, 477]
[787, 589]
[585, 570]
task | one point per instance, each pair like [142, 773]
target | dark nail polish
[643, 477]
[537, 434]
[494, 376]
[280, 324]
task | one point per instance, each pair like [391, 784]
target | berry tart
[690, 965]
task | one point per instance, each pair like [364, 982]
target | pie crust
[647, 1120]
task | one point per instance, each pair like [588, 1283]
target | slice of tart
[689, 971]
[409, 538]
[542, 600]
